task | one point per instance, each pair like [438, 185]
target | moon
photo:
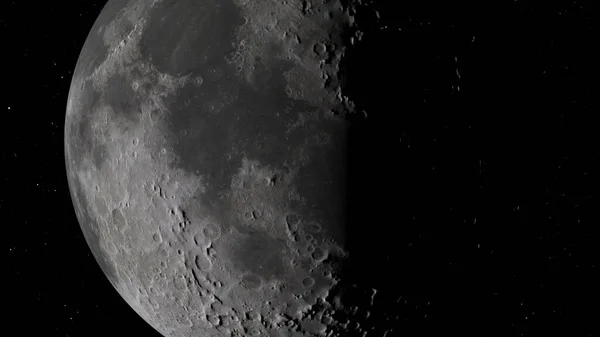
[205, 152]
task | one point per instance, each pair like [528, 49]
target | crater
[308, 282]
[293, 221]
[319, 254]
[203, 263]
[313, 227]
[212, 231]
[118, 219]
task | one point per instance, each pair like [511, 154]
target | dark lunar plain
[473, 185]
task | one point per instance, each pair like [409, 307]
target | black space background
[479, 177]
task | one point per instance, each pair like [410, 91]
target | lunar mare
[227, 225]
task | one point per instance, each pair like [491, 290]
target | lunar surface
[205, 151]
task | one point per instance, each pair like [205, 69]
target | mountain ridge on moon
[205, 157]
